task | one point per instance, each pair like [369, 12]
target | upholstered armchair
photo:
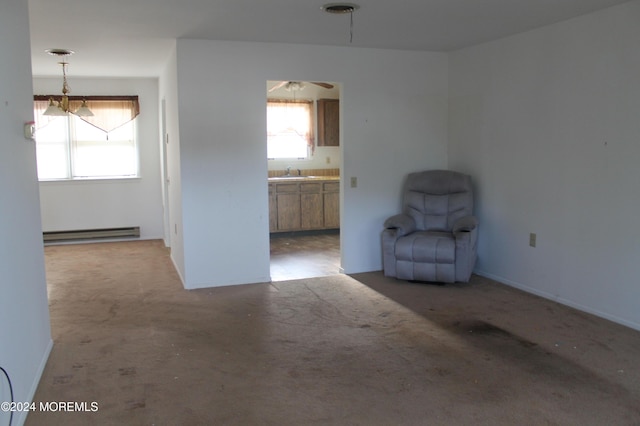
[434, 238]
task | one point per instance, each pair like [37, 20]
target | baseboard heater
[91, 234]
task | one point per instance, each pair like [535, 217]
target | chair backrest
[435, 199]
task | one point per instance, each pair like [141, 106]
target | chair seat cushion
[427, 247]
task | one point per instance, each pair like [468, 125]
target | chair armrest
[465, 224]
[402, 223]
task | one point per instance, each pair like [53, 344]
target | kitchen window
[289, 129]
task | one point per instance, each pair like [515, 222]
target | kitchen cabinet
[328, 122]
[304, 205]
[273, 209]
[331, 203]
[288, 206]
[311, 206]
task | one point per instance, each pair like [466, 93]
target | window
[289, 129]
[102, 146]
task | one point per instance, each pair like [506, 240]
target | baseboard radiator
[91, 234]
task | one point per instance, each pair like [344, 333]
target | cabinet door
[328, 122]
[273, 209]
[332, 210]
[311, 210]
[288, 211]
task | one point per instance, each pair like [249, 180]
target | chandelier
[62, 106]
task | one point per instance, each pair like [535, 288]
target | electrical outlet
[532, 239]
[354, 182]
[328, 160]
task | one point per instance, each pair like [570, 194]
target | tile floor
[295, 256]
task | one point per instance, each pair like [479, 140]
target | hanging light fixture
[62, 106]
[342, 8]
[294, 86]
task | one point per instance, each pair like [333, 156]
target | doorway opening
[304, 159]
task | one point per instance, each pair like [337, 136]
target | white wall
[394, 115]
[324, 157]
[25, 337]
[548, 124]
[92, 204]
[169, 93]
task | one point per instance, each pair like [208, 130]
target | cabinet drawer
[286, 187]
[332, 186]
[310, 187]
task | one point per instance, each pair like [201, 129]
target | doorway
[304, 166]
[304, 256]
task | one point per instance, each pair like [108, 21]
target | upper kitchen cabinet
[328, 122]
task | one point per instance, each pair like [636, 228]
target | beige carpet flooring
[336, 350]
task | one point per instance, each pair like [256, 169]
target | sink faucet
[288, 171]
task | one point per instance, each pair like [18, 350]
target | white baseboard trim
[22, 417]
[560, 300]
[175, 266]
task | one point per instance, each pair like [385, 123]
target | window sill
[289, 159]
[91, 180]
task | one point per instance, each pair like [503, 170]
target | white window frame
[279, 131]
[70, 149]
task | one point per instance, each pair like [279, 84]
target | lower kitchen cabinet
[304, 206]
[331, 203]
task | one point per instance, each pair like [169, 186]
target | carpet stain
[62, 380]
[440, 371]
[483, 328]
[113, 310]
[294, 374]
[134, 404]
[107, 349]
[127, 371]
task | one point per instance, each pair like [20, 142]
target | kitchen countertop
[293, 178]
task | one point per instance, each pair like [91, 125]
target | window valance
[109, 112]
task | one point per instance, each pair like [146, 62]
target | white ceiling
[133, 38]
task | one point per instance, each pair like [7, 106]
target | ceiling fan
[298, 85]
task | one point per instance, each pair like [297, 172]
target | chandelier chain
[351, 27]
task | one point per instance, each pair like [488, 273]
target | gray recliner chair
[435, 237]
